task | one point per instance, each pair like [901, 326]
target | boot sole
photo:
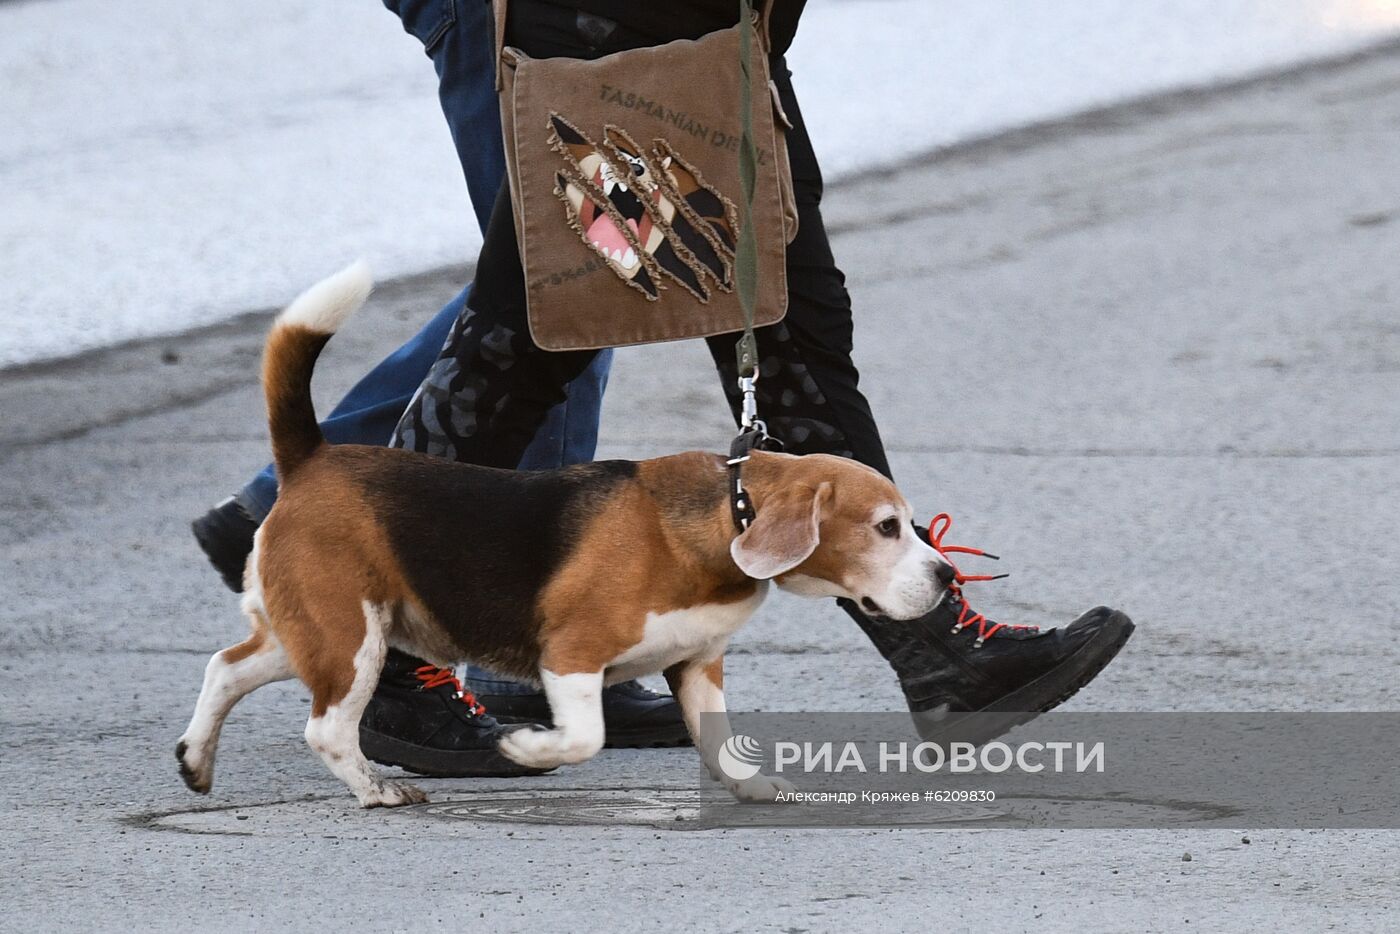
[441, 763]
[649, 737]
[1031, 700]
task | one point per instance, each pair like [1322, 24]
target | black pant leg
[808, 387]
[491, 386]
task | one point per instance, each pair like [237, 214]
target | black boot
[633, 716]
[955, 661]
[421, 719]
[225, 535]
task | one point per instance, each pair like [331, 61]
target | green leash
[746, 252]
[753, 433]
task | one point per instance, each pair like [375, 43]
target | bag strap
[498, 7]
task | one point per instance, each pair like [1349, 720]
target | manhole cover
[663, 809]
[680, 809]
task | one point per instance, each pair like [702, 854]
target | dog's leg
[337, 703]
[698, 686]
[576, 706]
[230, 675]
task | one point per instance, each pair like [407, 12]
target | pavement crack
[906, 215]
[1373, 218]
[122, 417]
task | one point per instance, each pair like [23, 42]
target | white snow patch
[164, 166]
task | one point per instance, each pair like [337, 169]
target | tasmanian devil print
[649, 214]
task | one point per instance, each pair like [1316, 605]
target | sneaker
[422, 719]
[225, 535]
[955, 661]
[633, 716]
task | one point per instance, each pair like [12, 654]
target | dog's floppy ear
[784, 534]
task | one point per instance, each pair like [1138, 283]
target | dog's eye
[889, 528]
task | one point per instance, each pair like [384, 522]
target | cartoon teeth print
[647, 214]
[603, 233]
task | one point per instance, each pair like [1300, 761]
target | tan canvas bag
[625, 177]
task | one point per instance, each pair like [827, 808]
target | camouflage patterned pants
[491, 386]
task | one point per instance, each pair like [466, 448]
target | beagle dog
[573, 579]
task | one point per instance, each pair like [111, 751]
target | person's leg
[491, 386]
[808, 386]
[568, 438]
[953, 660]
[457, 37]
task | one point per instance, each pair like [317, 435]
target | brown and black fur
[539, 575]
[475, 550]
[514, 570]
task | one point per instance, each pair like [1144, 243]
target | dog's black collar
[740, 505]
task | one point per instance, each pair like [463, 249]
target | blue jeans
[456, 34]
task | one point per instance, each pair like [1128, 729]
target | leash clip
[748, 414]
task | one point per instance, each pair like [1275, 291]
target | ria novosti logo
[740, 757]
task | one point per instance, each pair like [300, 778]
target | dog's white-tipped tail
[324, 307]
[290, 355]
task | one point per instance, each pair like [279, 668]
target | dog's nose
[945, 574]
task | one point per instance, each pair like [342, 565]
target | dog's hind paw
[392, 795]
[198, 776]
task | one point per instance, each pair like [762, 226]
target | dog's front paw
[530, 746]
[761, 789]
[545, 749]
[392, 795]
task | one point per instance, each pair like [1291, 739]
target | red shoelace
[937, 528]
[434, 677]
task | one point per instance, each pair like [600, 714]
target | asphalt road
[1150, 356]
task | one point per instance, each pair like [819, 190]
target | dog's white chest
[671, 637]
